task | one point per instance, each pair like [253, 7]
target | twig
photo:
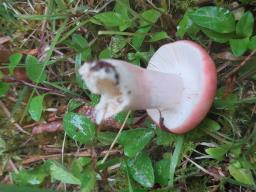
[241, 64]
[202, 169]
[85, 153]
[117, 136]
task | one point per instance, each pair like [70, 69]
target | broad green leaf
[186, 25]
[244, 26]
[162, 174]
[88, 180]
[139, 37]
[218, 37]
[111, 19]
[73, 104]
[122, 7]
[120, 117]
[105, 53]
[59, 173]
[164, 138]
[106, 137]
[150, 17]
[78, 165]
[241, 175]
[95, 99]
[141, 170]
[36, 107]
[79, 127]
[159, 36]
[252, 44]
[209, 125]
[80, 41]
[17, 188]
[217, 152]
[239, 46]
[134, 140]
[214, 18]
[14, 61]
[34, 69]
[31, 177]
[117, 44]
[4, 87]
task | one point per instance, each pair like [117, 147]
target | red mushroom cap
[190, 61]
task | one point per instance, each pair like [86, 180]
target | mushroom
[177, 88]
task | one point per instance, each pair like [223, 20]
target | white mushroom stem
[124, 86]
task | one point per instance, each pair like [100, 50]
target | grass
[53, 39]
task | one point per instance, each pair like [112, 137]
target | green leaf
[162, 174]
[106, 137]
[209, 125]
[244, 26]
[139, 37]
[217, 152]
[31, 177]
[164, 138]
[74, 104]
[117, 43]
[59, 173]
[88, 180]
[159, 36]
[252, 44]
[141, 170]
[95, 99]
[80, 41]
[186, 25]
[241, 175]
[34, 69]
[105, 53]
[78, 165]
[14, 61]
[36, 107]
[122, 7]
[111, 19]
[214, 18]
[120, 117]
[239, 46]
[134, 140]
[150, 17]
[79, 127]
[4, 87]
[218, 37]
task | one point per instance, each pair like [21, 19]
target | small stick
[202, 169]
[241, 64]
[117, 136]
